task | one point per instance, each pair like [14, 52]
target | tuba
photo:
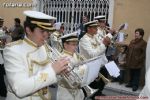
[71, 79]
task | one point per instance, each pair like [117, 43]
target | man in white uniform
[70, 43]
[28, 62]
[3, 90]
[90, 46]
[55, 36]
[102, 29]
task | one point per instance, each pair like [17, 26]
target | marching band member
[53, 87]
[3, 90]
[90, 46]
[28, 67]
[55, 41]
[70, 43]
[102, 30]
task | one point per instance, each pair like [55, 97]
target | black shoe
[134, 88]
[128, 85]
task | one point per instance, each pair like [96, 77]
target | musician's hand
[113, 31]
[65, 72]
[60, 65]
[106, 41]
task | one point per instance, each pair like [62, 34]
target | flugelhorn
[71, 79]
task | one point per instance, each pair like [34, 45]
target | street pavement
[115, 89]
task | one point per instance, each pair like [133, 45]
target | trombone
[106, 80]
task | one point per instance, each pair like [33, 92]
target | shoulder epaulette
[81, 57]
[56, 33]
[14, 43]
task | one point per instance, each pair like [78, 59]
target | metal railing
[71, 11]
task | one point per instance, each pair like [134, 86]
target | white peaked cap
[42, 20]
[70, 34]
[38, 15]
[100, 18]
[58, 25]
[91, 23]
[70, 37]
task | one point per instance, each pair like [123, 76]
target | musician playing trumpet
[70, 43]
[90, 47]
[55, 36]
[102, 29]
[28, 67]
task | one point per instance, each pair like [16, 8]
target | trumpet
[71, 80]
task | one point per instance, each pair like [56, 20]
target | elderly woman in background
[136, 58]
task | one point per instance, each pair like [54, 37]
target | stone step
[116, 89]
[2, 98]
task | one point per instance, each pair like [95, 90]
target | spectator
[81, 30]
[136, 58]
[121, 60]
[17, 32]
[7, 35]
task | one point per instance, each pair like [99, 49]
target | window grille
[71, 11]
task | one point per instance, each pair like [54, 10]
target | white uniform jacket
[90, 47]
[2, 33]
[28, 71]
[101, 33]
[65, 93]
